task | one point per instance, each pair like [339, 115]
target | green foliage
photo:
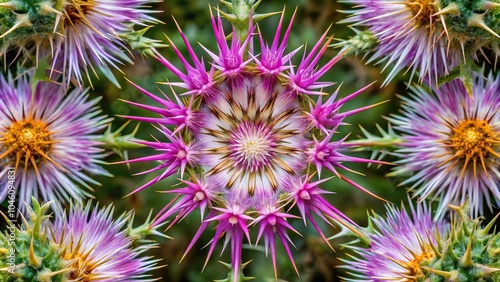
[28, 254]
[468, 253]
[23, 21]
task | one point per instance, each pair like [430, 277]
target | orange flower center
[76, 10]
[81, 269]
[26, 142]
[474, 141]
[422, 11]
[414, 265]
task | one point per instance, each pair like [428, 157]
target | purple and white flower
[411, 37]
[246, 137]
[451, 143]
[46, 136]
[400, 244]
[99, 247]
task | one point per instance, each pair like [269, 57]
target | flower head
[400, 244]
[85, 245]
[47, 139]
[414, 247]
[98, 247]
[80, 36]
[254, 132]
[425, 36]
[451, 143]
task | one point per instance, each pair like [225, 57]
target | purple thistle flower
[272, 61]
[92, 35]
[410, 37]
[250, 140]
[100, 248]
[450, 143]
[175, 156]
[306, 195]
[173, 113]
[305, 78]
[399, 244]
[230, 60]
[47, 139]
[273, 222]
[195, 195]
[196, 80]
[326, 114]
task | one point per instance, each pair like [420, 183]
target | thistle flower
[401, 245]
[451, 143]
[86, 245]
[413, 247]
[47, 139]
[428, 37]
[81, 36]
[246, 136]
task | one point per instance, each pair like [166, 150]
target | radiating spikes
[47, 275]
[485, 270]
[488, 227]
[9, 5]
[466, 260]
[450, 275]
[477, 20]
[22, 20]
[451, 9]
[487, 5]
[33, 258]
[47, 9]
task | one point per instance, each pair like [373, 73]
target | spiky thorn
[138, 41]
[11, 5]
[240, 275]
[488, 5]
[241, 12]
[139, 233]
[452, 276]
[451, 9]
[46, 9]
[34, 260]
[466, 260]
[37, 216]
[461, 210]
[22, 20]
[435, 249]
[490, 225]
[380, 145]
[119, 143]
[362, 41]
[348, 229]
[477, 20]
[485, 271]
[47, 274]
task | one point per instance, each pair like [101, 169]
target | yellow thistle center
[76, 10]
[422, 11]
[27, 142]
[414, 265]
[81, 269]
[474, 140]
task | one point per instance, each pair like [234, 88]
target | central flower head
[247, 136]
[26, 142]
[252, 137]
[473, 140]
[76, 10]
[422, 10]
